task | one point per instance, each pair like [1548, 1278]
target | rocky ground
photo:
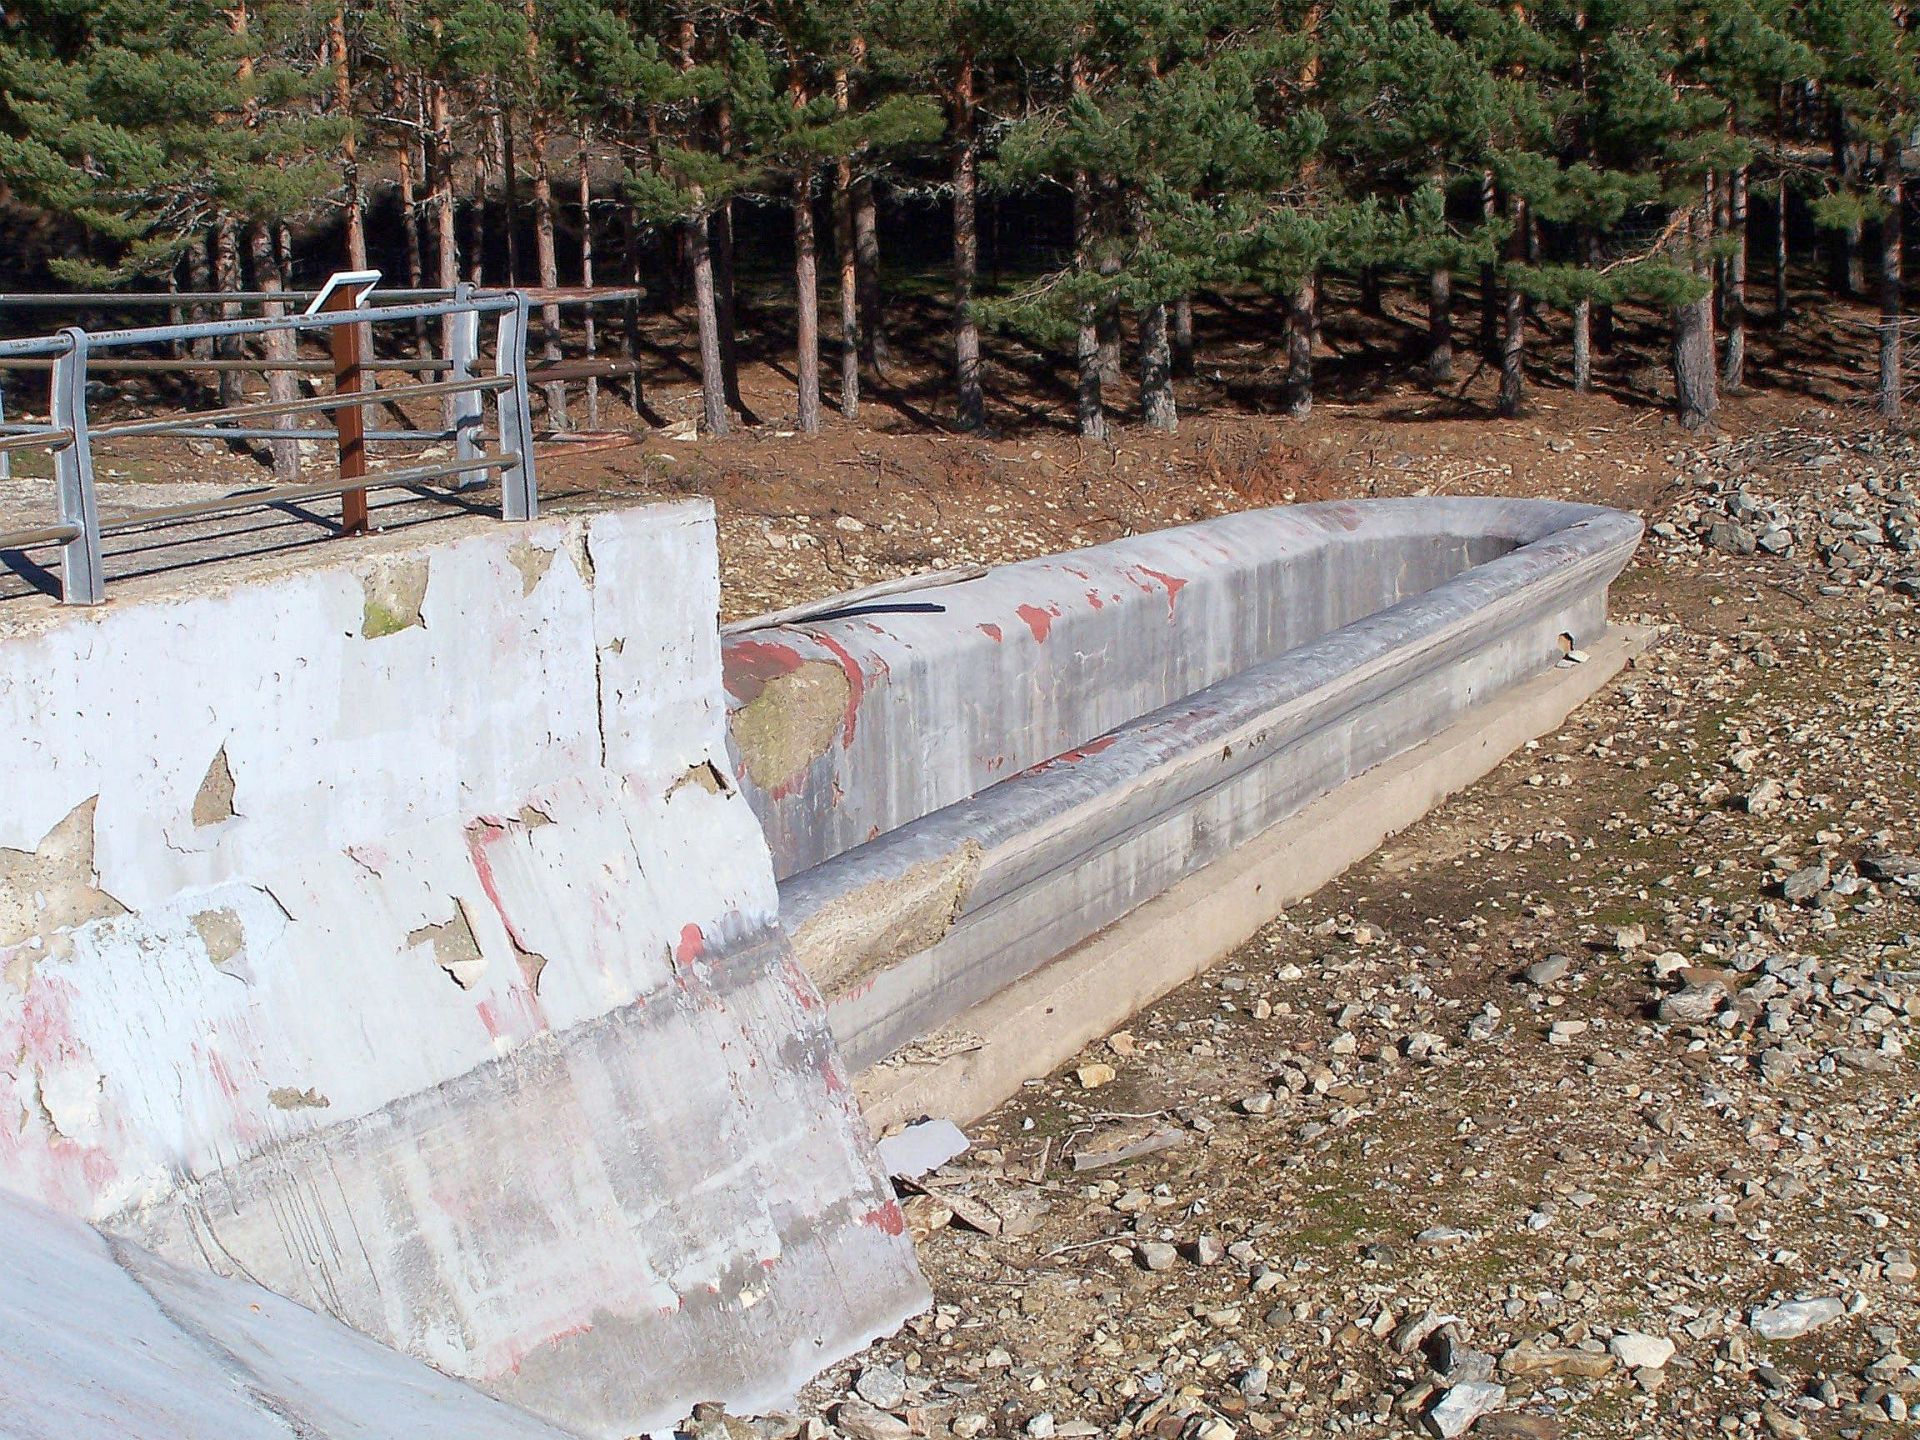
[1585, 1107]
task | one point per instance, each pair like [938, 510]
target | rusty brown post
[350, 420]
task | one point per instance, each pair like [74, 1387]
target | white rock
[1460, 1405]
[1795, 1318]
[1638, 1352]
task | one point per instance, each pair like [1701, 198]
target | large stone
[1793, 1318]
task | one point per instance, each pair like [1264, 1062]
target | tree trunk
[415, 254]
[721, 228]
[200, 278]
[1782, 306]
[226, 279]
[548, 261]
[1693, 379]
[510, 194]
[590, 337]
[1582, 345]
[849, 273]
[1513, 342]
[477, 224]
[276, 346]
[1440, 325]
[1890, 228]
[630, 309]
[1183, 335]
[1733, 297]
[1849, 264]
[1088, 409]
[1303, 328]
[713, 385]
[874, 349]
[1513, 354]
[1370, 299]
[1489, 277]
[971, 410]
[351, 202]
[1782, 303]
[1157, 406]
[806, 286]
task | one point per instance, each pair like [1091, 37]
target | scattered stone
[1692, 1004]
[1549, 971]
[1156, 1254]
[1794, 1318]
[861, 1421]
[1635, 1351]
[882, 1386]
[1092, 1076]
[1458, 1406]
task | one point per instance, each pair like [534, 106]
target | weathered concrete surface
[101, 1340]
[392, 932]
[1096, 726]
[1042, 1020]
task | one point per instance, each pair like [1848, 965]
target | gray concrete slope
[104, 1341]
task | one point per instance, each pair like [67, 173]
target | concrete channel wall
[961, 784]
[390, 931]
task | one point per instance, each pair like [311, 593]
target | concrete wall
[101, 1340]
[391, 931]
[1011, 805]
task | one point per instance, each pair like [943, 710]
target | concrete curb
[1045, 1018]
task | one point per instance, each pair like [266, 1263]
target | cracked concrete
[858, 932]
[396, 591]
[54, 887]
[790, 723]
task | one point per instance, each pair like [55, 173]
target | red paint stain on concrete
[992, 632]
[1093, 599]
[1172, 583]
[856, 685]
[1039, 621]
[889, 1219]
[693, 944]
[1075, 755]
[747, 665]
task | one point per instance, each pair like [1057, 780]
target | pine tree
[151, 122]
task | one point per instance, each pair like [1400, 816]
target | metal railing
[340, 315]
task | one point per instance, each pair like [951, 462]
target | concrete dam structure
[462, 940]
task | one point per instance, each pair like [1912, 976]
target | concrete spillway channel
[463, 941]
[961, 785]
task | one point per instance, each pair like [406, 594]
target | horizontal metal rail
[183, 299]
[306, 404]
[45, 535]
[342, 316]
[158, 365]
[316, 490]
[33, 437]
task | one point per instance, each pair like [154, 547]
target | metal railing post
[350, 422]
[81, 579]
[464, 410]
[519, 492]
[6, 456]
